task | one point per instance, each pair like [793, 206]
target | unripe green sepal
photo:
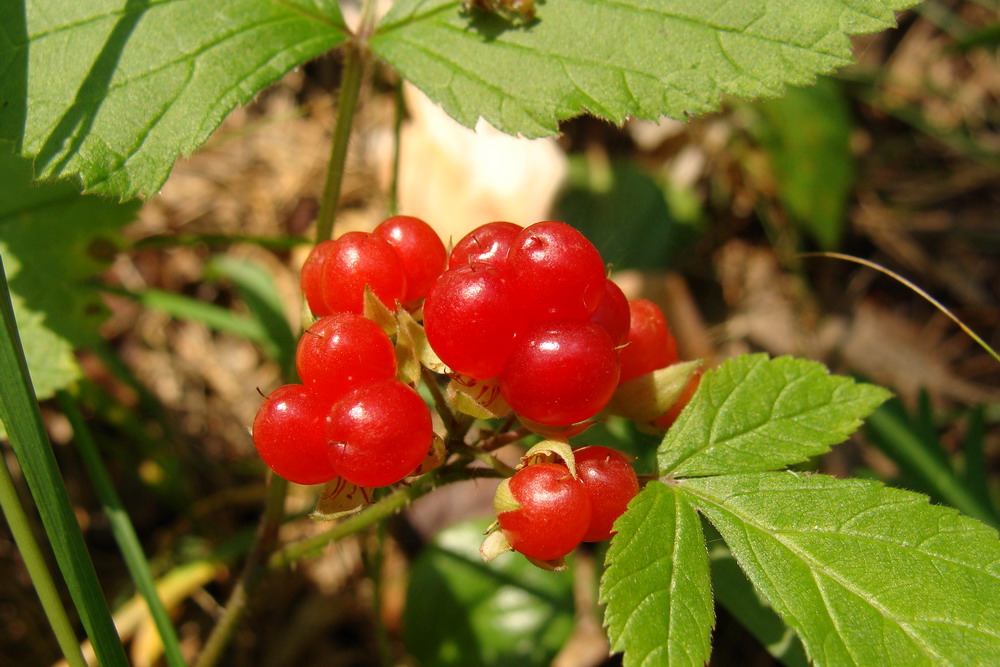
[648, 396]
[548, 451]
[504, 500]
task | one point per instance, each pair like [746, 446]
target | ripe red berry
[486, 244]
[289, 432]
[421, 251]
[552, 511]
[357, 259]
[610, 483]
[378, 433]
[471, 318]
[613, 313]
[650, 343]
[555, 272]
[341, 351]
[560, 372]
[311, 279]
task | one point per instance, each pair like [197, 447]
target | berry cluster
[351, 418]
[533, 309]
[544, 511]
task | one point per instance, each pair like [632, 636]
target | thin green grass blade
[34, 561]
[20, 414]
[122, 529]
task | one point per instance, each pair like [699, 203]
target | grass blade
[122, 529]
[34, 561]
[23, 420]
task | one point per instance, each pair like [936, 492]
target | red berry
[560, 372]
[341, 351]
[289, 432]
[471, 318]
[311, 279]
[650, 343]
[611, 484]
[555, 272]
[553, 513]
[667, 419]
[613, 313]
[378, 433]
[357, 259]
[420, 249]
[486, 244]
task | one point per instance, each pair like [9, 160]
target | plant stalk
[253, 574]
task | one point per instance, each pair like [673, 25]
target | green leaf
[116, 90]
[865, 574]
[54, 241]
[615, 59]
[808, 135]
[735, 592]
[656, 586]
[754, 413]
[462, 611]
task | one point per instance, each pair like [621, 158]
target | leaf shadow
[75, 124]
[14, 73]
[490, 25]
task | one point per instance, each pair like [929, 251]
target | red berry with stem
[311, 279]
[341, 351]
[543, 511]
[471, 318]
[555, 272]
[486, 244]
[613, 313]
[560, 372]
[378, 433]
[610, 483]
[355, 260]
[289, 432]
[421, 251]
[650, 343]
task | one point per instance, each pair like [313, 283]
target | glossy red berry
[289, 432]
[378, 433]
[471, 318]
[613, 313]
[650, 343]
[560, 372]
[552, 511]
[420, 249]
[555, 272]
[311, 278]
[486, 244]
[357, 259]
[341, 351]
[610, 483]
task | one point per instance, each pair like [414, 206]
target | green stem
[382, 509]
[252, 576]
[493, 462]
[122, 529]
[21, 416]
[354, 64]
[397, 134]
[34, 561]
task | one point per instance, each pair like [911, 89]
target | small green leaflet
[864, 573]
[54, 240]
[657, 586]
[641, 58]
[116, 90]
[754, 413]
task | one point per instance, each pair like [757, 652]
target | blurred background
[895, 161]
